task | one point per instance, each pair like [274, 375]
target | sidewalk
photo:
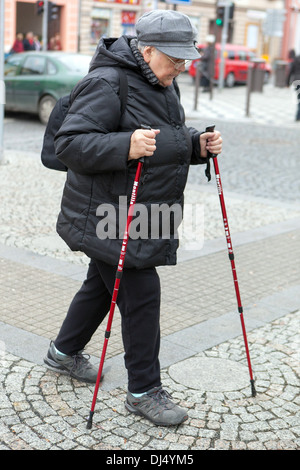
[274, 106]
[204, 367]
[203, 359]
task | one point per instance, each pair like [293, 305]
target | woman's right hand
[142, 143]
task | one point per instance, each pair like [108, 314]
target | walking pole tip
[253, 388]
[90, 420]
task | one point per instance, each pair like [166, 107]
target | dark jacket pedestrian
[28, 42]
[101, 147]
[207, 63]
[294, 78]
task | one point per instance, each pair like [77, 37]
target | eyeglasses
[179, 63]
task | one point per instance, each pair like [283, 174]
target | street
[258, 160]
[23, 132]
[202, 354]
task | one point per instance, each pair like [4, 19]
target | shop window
[100, 24]
[128, 19]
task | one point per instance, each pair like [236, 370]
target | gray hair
[140, 47]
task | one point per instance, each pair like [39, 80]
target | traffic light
[220, 16]
[52, 11]
[40, 8]
[231, 11]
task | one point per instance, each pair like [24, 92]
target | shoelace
[80, 360]
[162, 397]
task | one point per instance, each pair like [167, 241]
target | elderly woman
[101, 145]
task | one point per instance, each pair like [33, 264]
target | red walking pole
[231, 258]
[117, 283]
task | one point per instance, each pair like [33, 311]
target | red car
[236, 64]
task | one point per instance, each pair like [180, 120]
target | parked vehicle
[236, 64]
[34, 81]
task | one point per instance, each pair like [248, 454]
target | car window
[242, 55]
[33, 66]
[231, 55]
[76, 62]
[51, 69]
[11, 65]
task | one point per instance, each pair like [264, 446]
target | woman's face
[163, 66]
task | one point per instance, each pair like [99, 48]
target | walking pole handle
[144, 126]
[211, 129]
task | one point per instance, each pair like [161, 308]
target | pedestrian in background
[55, 43]
[206, 64]
[100, 145]
[36, 42]
[29, 42]
[18, 45]
[294, 78]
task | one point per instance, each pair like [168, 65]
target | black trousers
[139, 304]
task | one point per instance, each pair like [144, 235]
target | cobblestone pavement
[42, 410]
[273, 107]
[203, 359]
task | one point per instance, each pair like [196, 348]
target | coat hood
[114, 52]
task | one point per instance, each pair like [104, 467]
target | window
[242, 55]
[33, 66]
[100, 24]
[51, 69]
[11, 65]
[231, 55]
[76, 63]
[128, 20]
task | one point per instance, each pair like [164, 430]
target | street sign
[224, 3]
[273, 24]
[179, 2]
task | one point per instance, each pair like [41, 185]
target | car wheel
[230, 80]
[46, 105]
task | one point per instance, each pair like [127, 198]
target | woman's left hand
[212, 142]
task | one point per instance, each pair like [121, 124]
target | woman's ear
[147, 53]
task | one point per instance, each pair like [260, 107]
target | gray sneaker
[77, 366]
[156, 406]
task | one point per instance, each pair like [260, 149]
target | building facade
[81, 23]
[22, 16]
[116, 17]
[291, 35]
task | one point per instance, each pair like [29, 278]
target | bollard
[197, 85]
[255, 80]
[281, 73]
[249, 88]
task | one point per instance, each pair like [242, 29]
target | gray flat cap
[170, 32]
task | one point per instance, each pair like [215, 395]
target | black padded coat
[94, 142]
